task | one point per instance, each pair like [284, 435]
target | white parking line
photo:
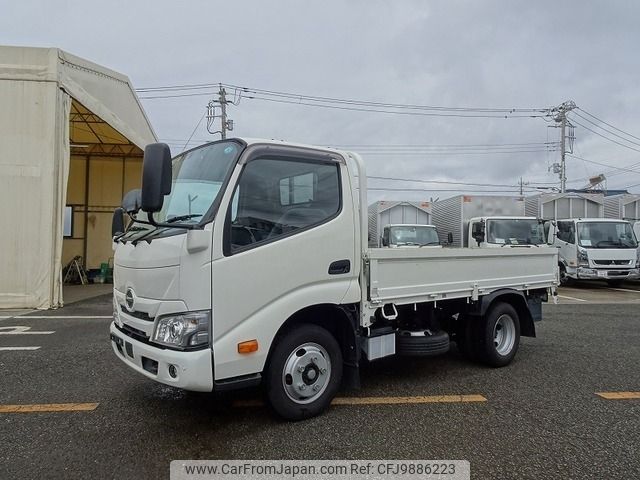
[624, 290]
[19, 330]
[13, 349]
[572, 298]
[58, 317]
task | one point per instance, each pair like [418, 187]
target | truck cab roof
[588, 220]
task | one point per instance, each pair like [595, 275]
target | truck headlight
[583, 258]
[116, 313]
[184, 330]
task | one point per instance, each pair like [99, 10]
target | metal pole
[563, 166]
[223, 108]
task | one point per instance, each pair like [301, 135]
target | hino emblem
[129, 299]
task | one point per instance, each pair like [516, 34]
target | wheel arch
[339, 320]
[518, 301]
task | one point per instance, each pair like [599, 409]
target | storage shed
[72, 135]
[625, 206]
[552, 206]
[386, 212]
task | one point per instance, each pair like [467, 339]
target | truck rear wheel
[304, 372]
[499, 335]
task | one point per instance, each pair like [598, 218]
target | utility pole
[221, 102]
[561, 118]
[222, 98]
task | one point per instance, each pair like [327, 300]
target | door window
[280, 197]
[566, 232]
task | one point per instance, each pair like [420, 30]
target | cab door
[288, 242]
[566, 240]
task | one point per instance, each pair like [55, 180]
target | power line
[315, 98]
[334, 100]
[605, 137]
[606, 130]
[460, 152]
[177, 91]
[387, 189]
[608, 124]
[625, 169]
[443, 145]
[391, 148]
[392, 112]
[445, 182]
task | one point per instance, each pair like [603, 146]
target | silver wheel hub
[306, 373]
[504, 335]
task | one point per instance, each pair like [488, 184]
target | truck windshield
[198, 176]
[515, 231]
[606, 235]
[413, 235]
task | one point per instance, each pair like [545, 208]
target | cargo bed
[413, 275]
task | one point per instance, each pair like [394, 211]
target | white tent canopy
[40, 90]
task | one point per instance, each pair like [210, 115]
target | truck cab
[595, 249]
[505, 231]
[410, 235]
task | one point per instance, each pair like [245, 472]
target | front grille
[139, 315]
[134, 333]
[612, 262]
[618, 274]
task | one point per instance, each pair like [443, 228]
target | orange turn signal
[248, 347]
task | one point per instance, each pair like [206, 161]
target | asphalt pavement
[541, 417]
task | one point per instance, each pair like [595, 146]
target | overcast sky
[490, 54]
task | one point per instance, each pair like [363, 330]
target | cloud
[455, 53]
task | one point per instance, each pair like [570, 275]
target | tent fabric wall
[32, 184]
[36, 90]
[60, 178]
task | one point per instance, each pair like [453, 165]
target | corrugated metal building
[624, 206]
[551, 206]
[387, 212]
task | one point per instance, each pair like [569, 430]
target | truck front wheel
[304, 372]
[499, 335]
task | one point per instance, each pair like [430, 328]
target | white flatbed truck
[249, 264]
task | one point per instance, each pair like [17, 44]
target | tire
[304, 372]
[422, 343]
[498, 335]
[564, 279]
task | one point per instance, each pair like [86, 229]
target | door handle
[339, 267]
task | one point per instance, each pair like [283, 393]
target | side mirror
[156, 176]
[117, 222]
[385, 242]
[450, 238]
[132, 201]
[478, 232]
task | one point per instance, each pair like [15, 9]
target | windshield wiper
[183, 217]
[429, 243]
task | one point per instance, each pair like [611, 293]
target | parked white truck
[254, 268]
[595, 249]
[406, 235]
[486, 221]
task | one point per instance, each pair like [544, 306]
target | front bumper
[194, 369]
[584, 273]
